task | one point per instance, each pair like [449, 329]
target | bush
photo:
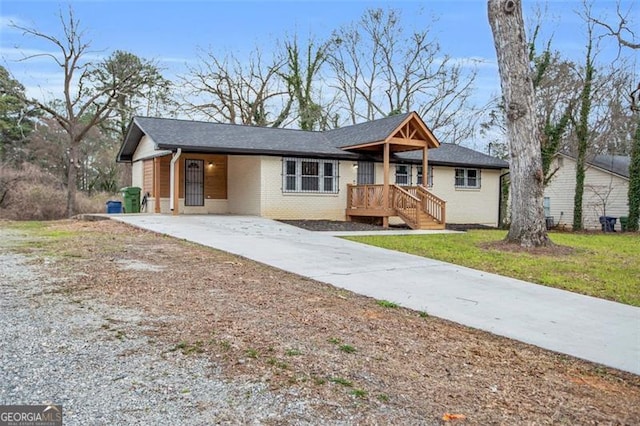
[30, 193]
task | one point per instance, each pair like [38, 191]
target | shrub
[29, 193]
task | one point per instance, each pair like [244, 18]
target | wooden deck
[415, 205]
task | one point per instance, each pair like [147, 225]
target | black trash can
[608, 223]
[624, 221]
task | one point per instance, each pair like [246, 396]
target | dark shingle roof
[449, 154]
[230, 138]
[618, 164]
[370, 131]
[170, 134]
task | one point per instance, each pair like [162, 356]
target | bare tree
[378, 71]
[301, 73]
[582, 131]
[626, 39]
[230, 90]
[89, 94]
[528, 227]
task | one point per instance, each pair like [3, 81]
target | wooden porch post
[425, 169]
[156, 184]
[385, 188]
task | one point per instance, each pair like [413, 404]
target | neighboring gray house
[605, 190]
[365, 171]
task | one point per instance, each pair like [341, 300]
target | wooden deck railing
[365, 197]
[407, 202]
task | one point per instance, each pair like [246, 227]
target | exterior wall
[465, 206]
[215, 175]
[147, 149]
[137, 173]
[605, 194]
[244, 177]
[277, 204]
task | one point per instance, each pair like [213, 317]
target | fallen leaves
[447, 417]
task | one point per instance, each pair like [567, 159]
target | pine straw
[267, 325]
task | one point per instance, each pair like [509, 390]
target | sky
[173, 32]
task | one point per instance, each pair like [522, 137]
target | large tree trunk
[528, 227]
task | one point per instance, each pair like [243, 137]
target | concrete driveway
[585, 327]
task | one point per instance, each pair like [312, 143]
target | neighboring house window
[403, 174]
[429, 176]
[308, 175]
[547, 206]
[467, 178]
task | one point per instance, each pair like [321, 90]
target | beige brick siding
[279, 205]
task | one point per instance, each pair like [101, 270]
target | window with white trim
[403, 174]
[467, 178]
[309, 175]
[546, 203]
[429, 176]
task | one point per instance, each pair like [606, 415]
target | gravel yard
[96, 361]
[122, 326]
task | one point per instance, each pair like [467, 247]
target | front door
[194, 183]
[366, 173]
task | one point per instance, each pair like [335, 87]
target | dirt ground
[355, 360]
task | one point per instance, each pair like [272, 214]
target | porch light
[355, 166]
[211, 164]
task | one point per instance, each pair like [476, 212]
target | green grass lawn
[601, 265]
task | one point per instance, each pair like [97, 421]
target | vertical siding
[215, 176]
[147, 179]
[165, 176]
[603, 192]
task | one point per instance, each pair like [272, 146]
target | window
[547, 206]
[467, 178]
[403, 174]
[429, 176]
[308, 175]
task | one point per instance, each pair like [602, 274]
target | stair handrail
[431, 204]
[412, 219]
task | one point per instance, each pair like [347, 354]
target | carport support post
[174, 182]
[385, 187]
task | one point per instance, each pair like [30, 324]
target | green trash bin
[131, 197]
[624, 220]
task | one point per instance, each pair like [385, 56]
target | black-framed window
[429, 175]
[403, 174]
[467, 178]
[309, 175]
